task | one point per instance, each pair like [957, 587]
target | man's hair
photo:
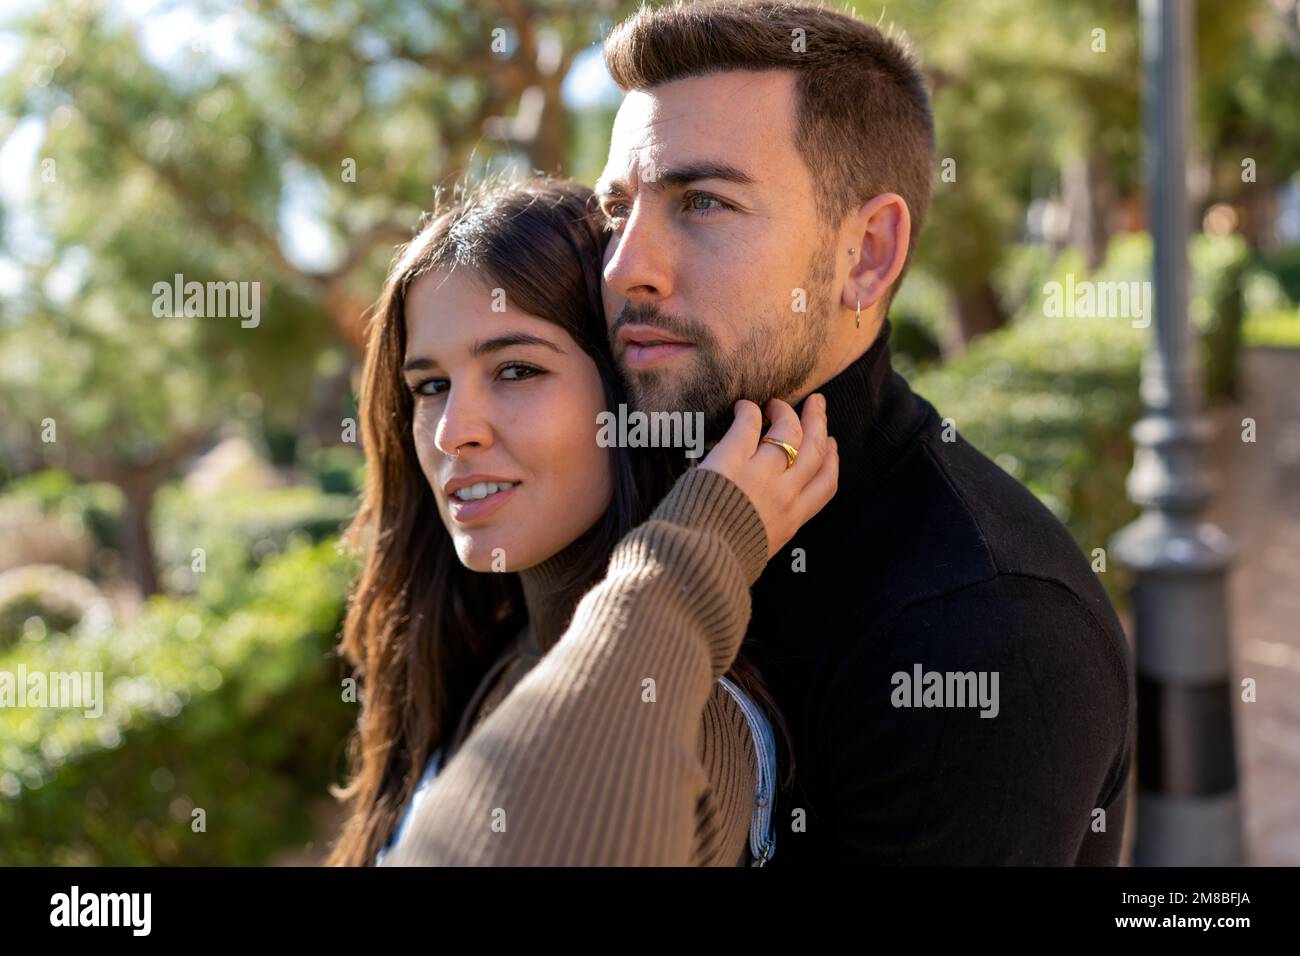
[863, 122]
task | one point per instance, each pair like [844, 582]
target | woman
[490, 510]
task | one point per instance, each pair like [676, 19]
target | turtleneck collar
[550, 608]
[871, 412]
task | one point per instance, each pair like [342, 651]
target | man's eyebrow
[680, 175]
[485, 346]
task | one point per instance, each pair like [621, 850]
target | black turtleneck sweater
[932, 559]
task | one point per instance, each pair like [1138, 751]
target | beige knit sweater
[618, 746]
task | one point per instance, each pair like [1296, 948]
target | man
[958, 688]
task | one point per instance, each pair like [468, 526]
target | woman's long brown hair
[421, 629]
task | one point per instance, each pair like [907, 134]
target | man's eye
[612, 213]
[694, 204]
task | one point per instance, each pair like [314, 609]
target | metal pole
[1187, 811]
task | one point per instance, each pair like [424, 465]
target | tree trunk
[138, 488]
[1088, 197]
[975, 310]
[324, 420]
[548, 150]
[1259, 205]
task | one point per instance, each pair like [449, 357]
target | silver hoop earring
[857, 319]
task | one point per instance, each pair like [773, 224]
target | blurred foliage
[38, 600]
[1217, 305]
[1051, 401]
[236, 531]
[1277, 279]
[95, 507]
[338, 469]
[1274, 329]
[239, 714]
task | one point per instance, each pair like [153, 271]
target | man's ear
[882, 231]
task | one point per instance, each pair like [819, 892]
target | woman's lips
[463, 512]
[639, 356]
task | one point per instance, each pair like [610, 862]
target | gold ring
[791, 453]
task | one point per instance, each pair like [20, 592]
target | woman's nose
[464, 424]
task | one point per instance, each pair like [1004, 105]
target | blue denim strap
[762, 834]
[431, 770]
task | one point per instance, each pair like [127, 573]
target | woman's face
[518, 398]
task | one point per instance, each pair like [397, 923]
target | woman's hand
[784, 497]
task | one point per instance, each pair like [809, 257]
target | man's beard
[774, 359]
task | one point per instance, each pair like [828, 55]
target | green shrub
[338, 469]
[1218, 308]
[1217, 274]
[918, 315]
[1283, 267]
[1278, 329]
[1220, 271]
[236, 531]
[1024, 268]
[239, 714]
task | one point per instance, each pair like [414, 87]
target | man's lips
[644, 356]
[644, 346]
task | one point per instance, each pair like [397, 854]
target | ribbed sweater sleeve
[592, 759]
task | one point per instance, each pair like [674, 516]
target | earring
[852, 249]
[857, 319]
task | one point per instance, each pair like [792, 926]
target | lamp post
[1187, 811]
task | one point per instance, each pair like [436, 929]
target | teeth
[482, 490]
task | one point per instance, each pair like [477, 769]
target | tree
[149, 171]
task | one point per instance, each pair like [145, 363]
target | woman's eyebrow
[499, 342]
[486, 346]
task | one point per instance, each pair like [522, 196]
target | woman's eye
[521, 372]
[430, 386]
[510, 372]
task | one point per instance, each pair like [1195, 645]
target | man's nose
[639, 268]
